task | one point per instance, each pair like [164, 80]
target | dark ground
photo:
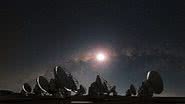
[92, 100]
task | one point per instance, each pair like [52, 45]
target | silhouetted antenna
[152, 84]
[133, 89]
[26, 88]
[156, 82]
[107, 83]
[43, 83]
[64, 80]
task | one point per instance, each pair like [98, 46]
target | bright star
[100, 57]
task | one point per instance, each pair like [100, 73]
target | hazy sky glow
[135, 36]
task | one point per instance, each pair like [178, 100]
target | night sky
[137, 35]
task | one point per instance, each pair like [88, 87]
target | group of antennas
[63, 85]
